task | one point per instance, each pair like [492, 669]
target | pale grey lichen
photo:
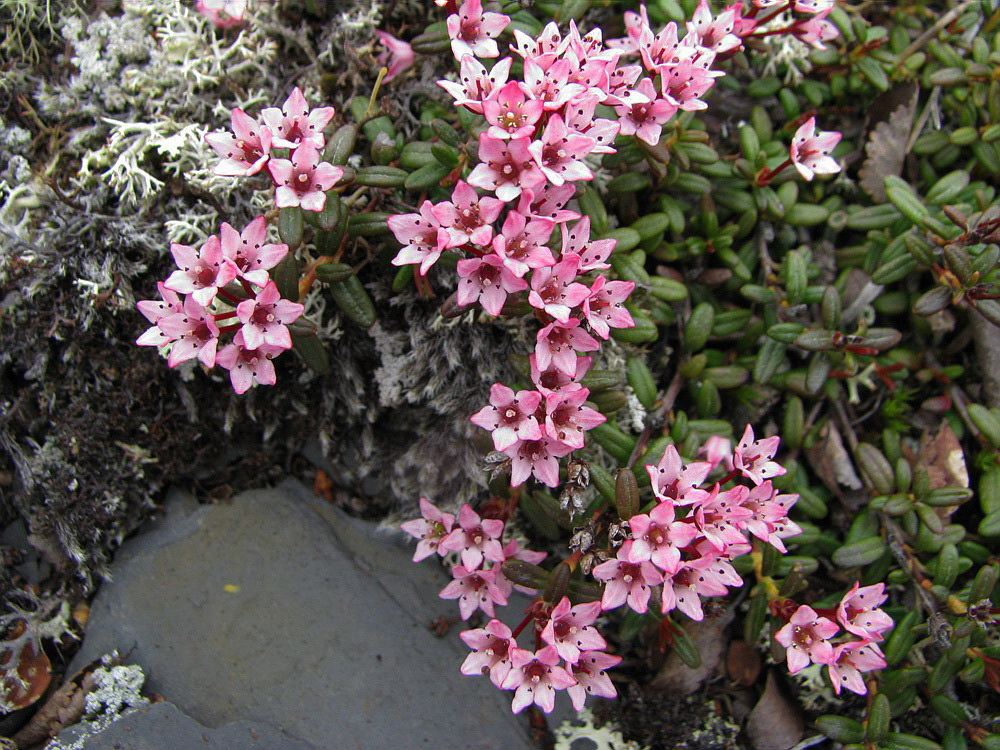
[784, 50]
[579, 732]
[117, 689]
[716, 733]
[116, 693]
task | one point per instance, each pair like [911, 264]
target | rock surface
[278, 609]
[162, 725]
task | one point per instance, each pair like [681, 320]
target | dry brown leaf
[831, 461]
[943, 459]
[775, 722]
[676, 676]
[887, 140]
[743, 663]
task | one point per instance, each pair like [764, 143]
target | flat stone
[163, 725]
[278, 608]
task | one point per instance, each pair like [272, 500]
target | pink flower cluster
[479, 582]
[681, 66]
[683, 559]
[811, 26]
[807, 637]
[227, 279]
[229, 290]
[572, 657]
[538, 132]
[295, 131]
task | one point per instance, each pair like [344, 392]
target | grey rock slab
[279, 609]
[162, 726]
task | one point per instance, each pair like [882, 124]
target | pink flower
[657, 537]
[510, 416]
[769, 521]
[642, 112]
[397, 55]
[539, 457]
[247, 152]
[555, 290]
[472, 32]
[248, 366]
[566, 418]
[201, 273]
[266, 316]
[570, 629]
[810, 151]
[422, 237]
[551, 85]
[488, 281]
[547, 203]
[721, 516]
[521, 243]
[675, 481]
[604, 308]
[755, 459]
[467, 217]
[718, 450]
[545, 50]
[477, 84]
[715, 33]
[684, 83]
[815, 31]
[859, 614]
[223, 13]
[814, 6]
[704, 576]
[430, 530]
[155, 311]
[303, 181]
[559, 153]
[506, 167]
[591, 677]
[806, 638]
[248, 250]
[194, 333]
[638, 32]
[491, 647]
[580, 118]
[510, 114]
[576, 242]
[477, 539]
[558, 343]
[551, 379]
[295, 124]
[474, 589]
[849, 660]
[534, 678]
[629, 582]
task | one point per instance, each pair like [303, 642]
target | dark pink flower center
[263, 315]
[205, 275]
[202, 332]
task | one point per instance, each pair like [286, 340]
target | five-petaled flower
[810, 150]
[806, 638]
[303, 180]
[434, 526]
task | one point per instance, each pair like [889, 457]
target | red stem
[776, 13]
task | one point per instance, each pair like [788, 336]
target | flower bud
[525, 574]
[626, 494]
[555, 587]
